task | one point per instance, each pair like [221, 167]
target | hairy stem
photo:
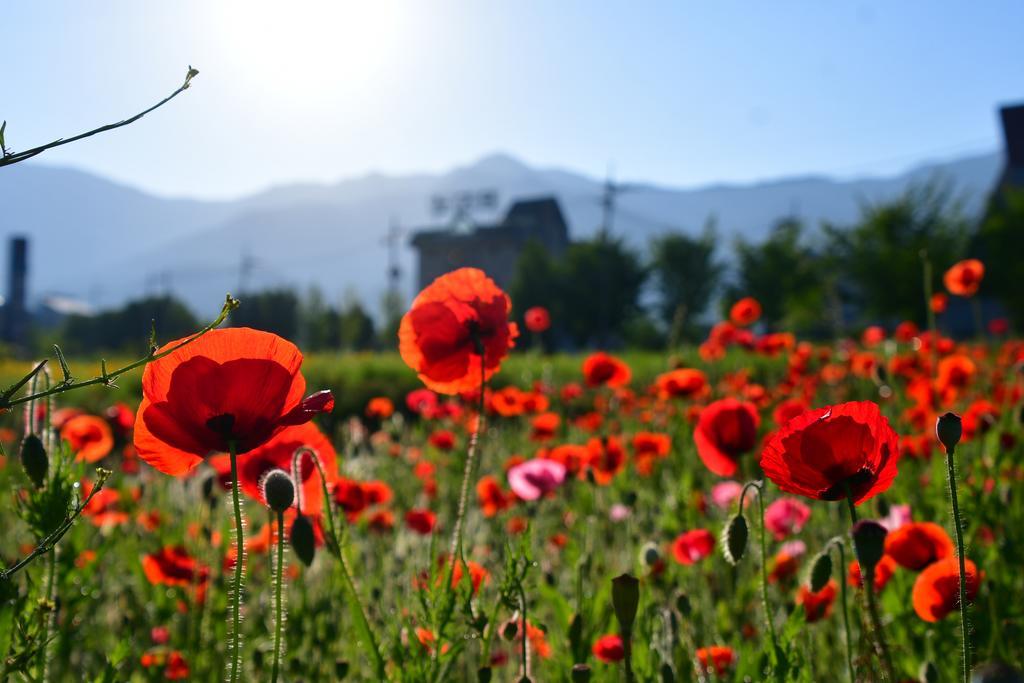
[764, 558]
[234, 658]
[846, 615]
[959, 528]
[278, 612]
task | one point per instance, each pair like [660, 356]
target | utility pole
[245, 268]
[393, 296]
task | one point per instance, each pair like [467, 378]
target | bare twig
[9, 158]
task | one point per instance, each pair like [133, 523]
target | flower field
[758, 508]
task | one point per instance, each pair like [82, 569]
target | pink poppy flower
[535, 478]
[785, 517]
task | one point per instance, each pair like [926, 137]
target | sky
[678, 93]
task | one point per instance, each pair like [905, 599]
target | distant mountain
[106, 243]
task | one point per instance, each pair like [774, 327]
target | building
[495, 249]
[1012, 176]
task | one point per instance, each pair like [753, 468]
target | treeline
[821, 283]
[309, 320]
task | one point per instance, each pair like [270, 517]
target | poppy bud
[928, 673]
[996, 672]
[303, 540]
[483, 674]
[208, 487]
[821, 571]
[667, 675]
[278, 490]
[650, 554]
[734, 539]
[576, 636]
[34, 460]
[580, 673]
[509, 630]
[340, 669]
[625, 598]
[683, 604]
[869, 543]
[949, 429]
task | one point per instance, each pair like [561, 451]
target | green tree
[879, 258]
[785, 275]
[357, 329]
[320, 322]
[274, 310]
[686, 275]
[999, 244]
[127, 329]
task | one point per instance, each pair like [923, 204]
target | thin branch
[108, 376]
[13, 158]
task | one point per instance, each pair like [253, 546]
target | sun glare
[309, 50]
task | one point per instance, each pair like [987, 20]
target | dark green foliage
[274, 311]
[686, 276]
[126, 328]
[1000, 245]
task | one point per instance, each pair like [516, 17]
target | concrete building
[495, 248]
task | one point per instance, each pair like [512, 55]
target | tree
[785, 275]
[128, 328]
[686, 276]
[600, 292]
[879, 259]
[274, 310]
[999, 244]
[357, 331]
[321, 323]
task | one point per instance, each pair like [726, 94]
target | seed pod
[34, 460]
[869, 543]
[303, 540]
[683, 604]
[580, 673]
[734, 539]
[340, 669]
[483, 674]
[650, 554]
[949, 429]
[625, 598]
[821, 571]
[278, 490]
[509, 630]
[928, 673]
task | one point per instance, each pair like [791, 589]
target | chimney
[1013, 132]
[15, 311]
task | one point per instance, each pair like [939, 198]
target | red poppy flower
[787, 410]
[939, 302]
[717, 657]
[491, 497]
[817, 605]
[104, 508]
[726, 429]
[649, 447]
[609, 649]
[824, 452]
[380, 407]
[421, 521]
[422, 402]
[89, 436]
[573, 456]
[605, 459]
[478, 574]
[954, 375]
[537, 319]
[279, 452]
[439, 336]
[681, 383]
[937, 589]
[964, 278]
[601, 369]
[544, 426]
[915, 545]
[745, 312]
[234, 385]
[692, 546]
[884, 571]
[442, 439]
[172, 566]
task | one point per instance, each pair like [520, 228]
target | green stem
[764, 559]
[348, 584]
[523, 652]
[958, 526]
[846, 614]
[868, 576]
[932, 328]
[278, 580]
[234, 658]
[49, 616]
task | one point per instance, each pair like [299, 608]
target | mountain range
[105, 243]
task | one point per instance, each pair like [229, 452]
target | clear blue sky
[680, 93]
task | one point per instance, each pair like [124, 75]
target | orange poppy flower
[937, 589]
[964, 278]
[89, 437]
[717, 657]
[602, 369]
[491, 497]
[380, 407]
[649, 447]
[279, 452]
[172, 566]
[916, 545]
[605, 459]
[818, 605]
[234, 385]
[439, 336]
[681, 383]
[884, 571]
[824, 453]
[745, 312]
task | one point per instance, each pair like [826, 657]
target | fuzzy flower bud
[949, 429]
[821, 571]
[278, 490]
[734, 540]
[35, 460]
[869, 543]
